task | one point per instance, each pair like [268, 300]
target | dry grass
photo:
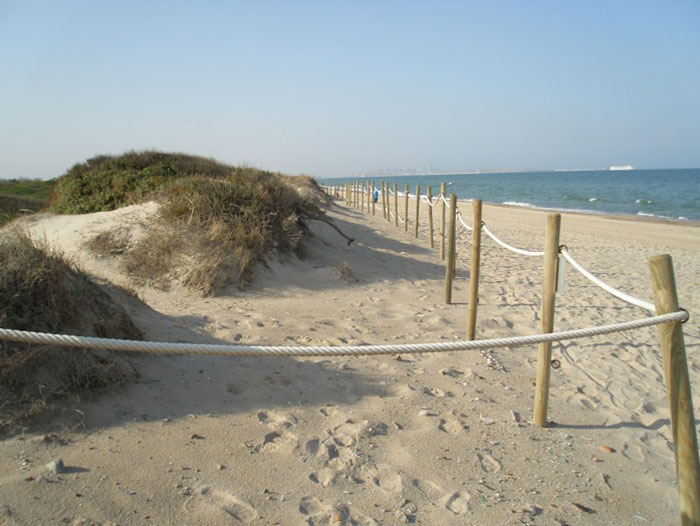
[108, 243]
[40, 291]
[342, 270]
[212, 232]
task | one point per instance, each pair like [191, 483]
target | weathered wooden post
[387, 207]
[549, 285]
[442, 222]
[680, 399]
[405, 213]
[415, 227]
[384, 211]
[474, 274]
[429, 194]
[450, 266]
[396, 205]
[388, 202]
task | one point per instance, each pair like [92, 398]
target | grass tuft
[40, 291]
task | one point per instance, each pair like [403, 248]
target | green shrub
[107, 182]
[12, 206]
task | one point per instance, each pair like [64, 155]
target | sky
[333, 89]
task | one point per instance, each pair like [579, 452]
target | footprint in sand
[312, 506]
[452, 424]
[316, 513]
[434, 391]
[277, 441]
[388, 479]
[276, 420]
[488, 463]
[312, 446]
[633, 452]
[458, 502]
[237, 509]
[431, 490]
[325, 477]
[346, 434]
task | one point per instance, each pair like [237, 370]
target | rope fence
[668, 318]
[66, 340]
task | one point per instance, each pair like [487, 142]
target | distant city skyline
[335, 89]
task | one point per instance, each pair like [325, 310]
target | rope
[615, 292]
[508, 247]
[430, 202]
[459, 218]
[393, 216]
[277, 350]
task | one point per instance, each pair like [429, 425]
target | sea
[672, 194]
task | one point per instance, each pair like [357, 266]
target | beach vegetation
[215, 221]
[23, 196]
[41, 291]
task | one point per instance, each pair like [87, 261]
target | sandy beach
[432, 439]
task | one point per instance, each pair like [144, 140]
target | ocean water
[665, 194]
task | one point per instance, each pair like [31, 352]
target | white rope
[429, 202]
[508, 247]
[459, 218]
[393, 216]
[612, 290]
[278, 350]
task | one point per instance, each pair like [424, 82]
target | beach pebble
[608, 449]
[56, 466]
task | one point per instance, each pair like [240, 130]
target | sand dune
[422, 438]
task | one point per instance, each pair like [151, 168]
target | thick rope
[612, 290]
[508, 247]
[459, 218]
[355, 350]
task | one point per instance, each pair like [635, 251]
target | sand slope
[423, 439]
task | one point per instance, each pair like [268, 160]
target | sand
[433, 439]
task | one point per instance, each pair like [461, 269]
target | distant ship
[621, 167]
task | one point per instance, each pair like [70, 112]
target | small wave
[669, 218]
[637, 201]
[516, 203]
[592, 199]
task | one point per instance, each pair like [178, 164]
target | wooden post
[405, 213]
[415, 228]
[387, 202]
[430, 216]
[362, 195]
[396, 205]
[442, 223]
[549, 285]
[450, 266]
[474, 274]
[680, 399]
[384, 213]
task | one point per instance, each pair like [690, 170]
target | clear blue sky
[339, 88]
